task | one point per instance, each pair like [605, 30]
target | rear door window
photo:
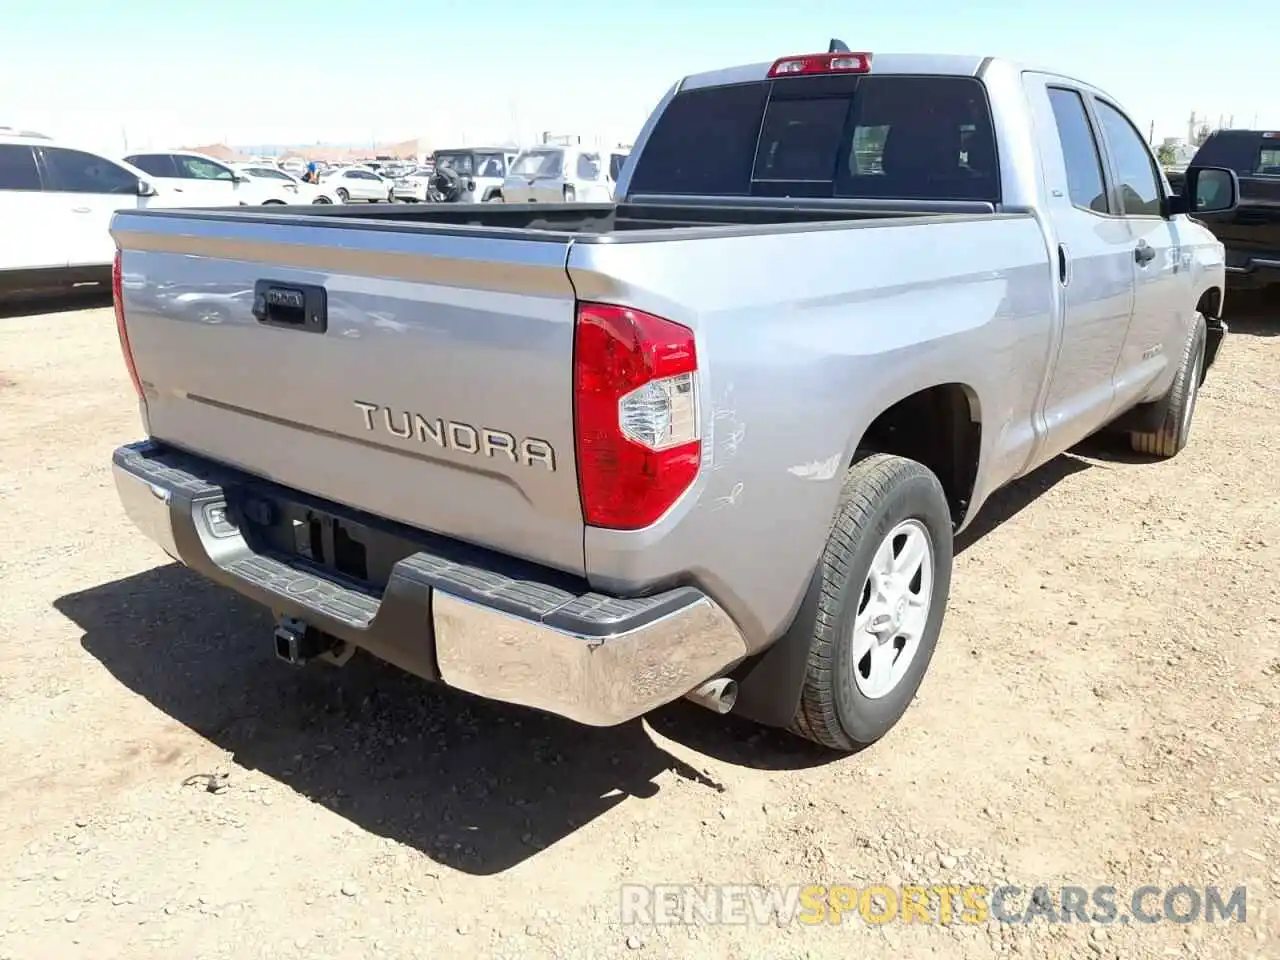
[1085, 183]
[18, 168]
[74, 171]
[156, 164]
[891, 137]
[197, 168]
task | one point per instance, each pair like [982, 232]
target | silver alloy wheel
[893, 609]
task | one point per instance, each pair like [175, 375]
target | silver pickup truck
[713, 440]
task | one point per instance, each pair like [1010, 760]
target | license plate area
[354, 551]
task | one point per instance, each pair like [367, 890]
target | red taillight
[117, 294]
[806, 65]
[635, 414]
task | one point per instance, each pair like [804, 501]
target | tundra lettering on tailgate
[452, 435]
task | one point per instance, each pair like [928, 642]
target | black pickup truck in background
[1251, 231]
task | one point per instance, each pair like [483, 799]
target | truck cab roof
[925, 64]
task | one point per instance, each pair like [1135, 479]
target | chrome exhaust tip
[717, 695]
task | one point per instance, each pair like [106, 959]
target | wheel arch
[939, 426]
[950, 444]
[1210, 306]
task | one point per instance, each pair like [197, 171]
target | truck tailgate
[427, 376]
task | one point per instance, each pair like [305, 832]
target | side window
[156, 164]
[18, 168]
[74, 171]
[588, 166]
[1139, 187]
[195, 168]
[1085, 183]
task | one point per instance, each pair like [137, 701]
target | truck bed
[592, 222]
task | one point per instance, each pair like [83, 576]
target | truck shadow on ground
[64, 303]
[476, 785]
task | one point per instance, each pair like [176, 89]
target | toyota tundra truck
[713, 440]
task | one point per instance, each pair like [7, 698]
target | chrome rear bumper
[595, 659]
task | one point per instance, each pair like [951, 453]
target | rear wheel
[320, 200]
[343, 195]
[883, 584]
[1179, 405]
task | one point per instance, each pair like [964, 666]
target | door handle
[1144, 253]
[81, 209]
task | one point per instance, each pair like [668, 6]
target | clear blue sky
[165, 73]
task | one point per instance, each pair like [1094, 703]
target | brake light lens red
[811, 64]
[636, 421]
[117, 296]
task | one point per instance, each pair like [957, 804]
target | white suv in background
[56, 205]
[551, 174]
[292, 189]
[204, 182]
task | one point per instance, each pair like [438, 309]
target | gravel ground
[1102, 709]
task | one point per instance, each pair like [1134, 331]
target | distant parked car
[414, 186]
[295, 191]
[551, 174]
[357, 183]
[203, 180]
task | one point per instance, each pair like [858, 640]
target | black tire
[1180, 402]
[321, 200]
[342, 194]
[880, 492]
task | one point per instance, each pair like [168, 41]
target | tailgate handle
[293, 306]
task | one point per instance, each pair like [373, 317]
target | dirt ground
[1102, 709]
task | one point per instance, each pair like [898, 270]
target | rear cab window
[905, 137]
[1268, 163]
